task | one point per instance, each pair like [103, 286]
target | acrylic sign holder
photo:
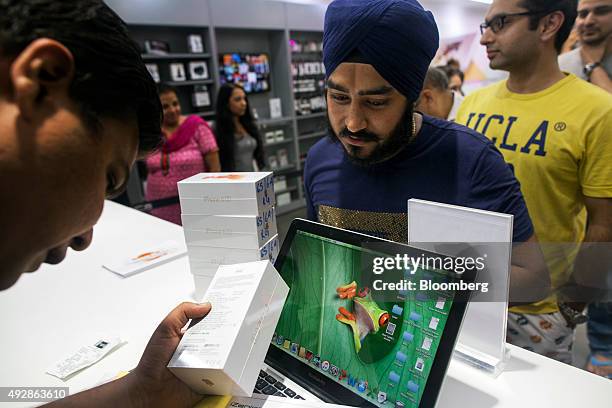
[457, 231]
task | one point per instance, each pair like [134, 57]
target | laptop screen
[379, 347]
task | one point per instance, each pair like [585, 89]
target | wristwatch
[588, 69]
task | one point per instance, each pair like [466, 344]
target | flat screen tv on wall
[250, 70]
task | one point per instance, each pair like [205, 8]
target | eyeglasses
[597, 11]
[497, 23]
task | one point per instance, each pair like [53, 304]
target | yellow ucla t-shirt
[559, 142]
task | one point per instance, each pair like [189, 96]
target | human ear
[551, 24]
[42, 72]
[427, 96]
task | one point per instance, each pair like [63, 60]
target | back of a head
[110, 77]
[569, 8]
[436, 78]
[454, 63]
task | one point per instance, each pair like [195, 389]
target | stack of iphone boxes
[228, 218]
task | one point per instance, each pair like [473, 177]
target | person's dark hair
[110, 77]
[165, 88]
[453, 63]
[225, 129]
[569, 8]
[436, 78]
[451, 72]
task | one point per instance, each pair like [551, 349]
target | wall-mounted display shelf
[317, 115]
[274, 121]
[193, 60]
[313, 135]
[279, 142]
[176, 55]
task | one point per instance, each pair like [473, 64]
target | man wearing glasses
[554, 129]
[592, 61]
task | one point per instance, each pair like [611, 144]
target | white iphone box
[209, 258]
[276, 110]
[223, 353]
[230, 231]
[239, 193]
[200, 284]
[146, 258]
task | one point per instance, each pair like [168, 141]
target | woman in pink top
[189, 148]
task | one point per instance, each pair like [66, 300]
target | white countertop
[58, 309]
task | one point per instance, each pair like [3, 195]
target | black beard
[401, 137]
[594, 43]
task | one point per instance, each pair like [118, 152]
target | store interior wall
[454, 17]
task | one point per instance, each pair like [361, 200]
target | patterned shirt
[183, 163]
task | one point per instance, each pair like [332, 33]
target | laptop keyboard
[268, 385]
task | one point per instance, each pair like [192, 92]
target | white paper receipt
[84, 357]
[147, 258]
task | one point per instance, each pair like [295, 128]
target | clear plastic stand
[481, 361]
[455, 231]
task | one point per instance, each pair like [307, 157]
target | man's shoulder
[588, 90]
[596, 102]
[323, 148]
[457, 136]
[480, 97]
[323, 152]
[486, 91]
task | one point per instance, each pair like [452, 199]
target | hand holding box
[223, 353]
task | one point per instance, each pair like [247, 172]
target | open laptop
[339, 340]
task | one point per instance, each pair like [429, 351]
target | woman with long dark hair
[238, 139]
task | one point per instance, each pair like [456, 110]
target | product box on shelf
[200, 96]
[279, 135]
[280, 183]
[227, 193]
[276, 110]
[270, 136]
[283, 198]
[230, 231]
[222, 354]
[273, 161]
[195, 42]
[283, 157]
